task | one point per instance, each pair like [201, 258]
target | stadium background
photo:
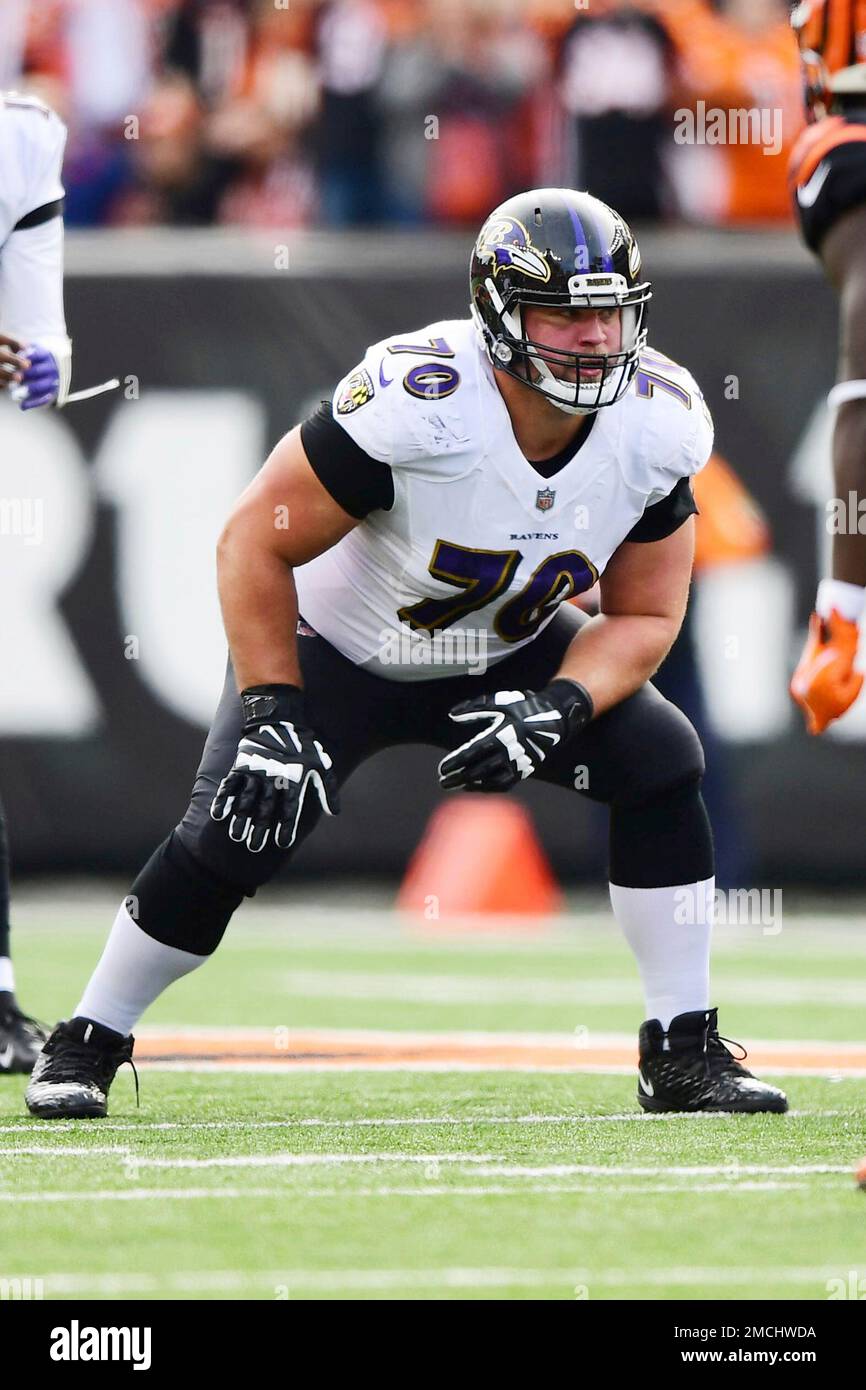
[257, 191]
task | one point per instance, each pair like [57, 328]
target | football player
[465, 480]
[35, 366]
[828, 182]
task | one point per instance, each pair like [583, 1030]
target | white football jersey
[478, 550]
[32, 139]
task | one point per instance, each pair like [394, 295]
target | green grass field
[294, 1182]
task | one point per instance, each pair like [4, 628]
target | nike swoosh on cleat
[646, 1086]
[808, 194]
[6, 1055]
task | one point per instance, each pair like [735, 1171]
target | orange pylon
[479, 855]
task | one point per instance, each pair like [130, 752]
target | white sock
[669, 930]
[133, 971]
[7, 976]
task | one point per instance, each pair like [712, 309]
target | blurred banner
[112, 647]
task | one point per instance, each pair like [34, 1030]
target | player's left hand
[519, 729]
[40, 380]
[825, 683]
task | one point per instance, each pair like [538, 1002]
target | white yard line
[310, 1160]
[64, 1151]
[483, 1165]
[145, 1194]
[280, 1040]
[459, 988]
[383, 1122]
[493, 1165]
[163, 1194]
[567, 1069]
[504, 1169]
[292, 1280]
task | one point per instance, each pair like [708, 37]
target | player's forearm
[613, 655]
[849, 477]
[260, 611]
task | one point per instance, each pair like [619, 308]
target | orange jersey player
[828, 183]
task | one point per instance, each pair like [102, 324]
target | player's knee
[228, 861]
[659, 830]
[179, 901]
[670, 756]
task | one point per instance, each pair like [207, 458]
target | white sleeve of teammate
[31, 259]
[31, 293]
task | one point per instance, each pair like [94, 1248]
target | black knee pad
[227, 860]
[660, 833]
[664, 841]
[178, 901]
[669, 755]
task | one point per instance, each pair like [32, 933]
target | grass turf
[437, 1185]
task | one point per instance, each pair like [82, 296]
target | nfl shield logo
[545, 498]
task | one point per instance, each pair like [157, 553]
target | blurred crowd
[293, 113]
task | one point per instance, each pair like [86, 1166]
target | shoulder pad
[34, 138]
[403, 402]
[674, 428]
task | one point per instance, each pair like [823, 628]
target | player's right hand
[825, 683]
[12, 363]
[278, 763]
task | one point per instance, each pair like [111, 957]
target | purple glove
[41, 379]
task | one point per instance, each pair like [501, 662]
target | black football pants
[643, 759]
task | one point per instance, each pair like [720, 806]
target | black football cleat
[21, 1037]
[696, 1071]
[74, 1071]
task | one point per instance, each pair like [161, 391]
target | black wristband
[265, 702]
[574, 701]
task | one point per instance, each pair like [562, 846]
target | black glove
[278, 759]
[520, 728]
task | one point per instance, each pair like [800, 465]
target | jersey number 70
[485, 574]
